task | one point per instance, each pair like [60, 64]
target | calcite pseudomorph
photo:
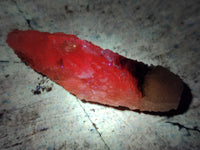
[97, 75]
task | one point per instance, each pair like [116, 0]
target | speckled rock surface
[35, 113]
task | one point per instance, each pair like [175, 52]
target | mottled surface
[158, 32]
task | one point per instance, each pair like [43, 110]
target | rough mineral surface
[94, 74]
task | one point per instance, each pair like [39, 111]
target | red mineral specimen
[86, 70]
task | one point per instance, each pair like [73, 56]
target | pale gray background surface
[159, 32]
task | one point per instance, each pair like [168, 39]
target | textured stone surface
[155, 32]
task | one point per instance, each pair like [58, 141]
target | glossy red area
[82, 68]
